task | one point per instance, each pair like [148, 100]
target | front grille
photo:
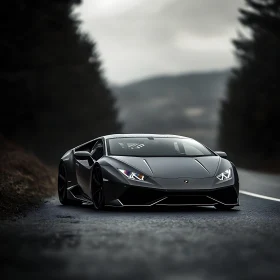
[145, 196]
[140, 196]
[187, 200]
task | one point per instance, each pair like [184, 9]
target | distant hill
[182, 104]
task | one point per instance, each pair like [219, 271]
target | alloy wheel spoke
[61, 187]
[97, 191]
[62, 177]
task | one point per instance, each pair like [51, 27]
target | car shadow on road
[167, 209]
[153, 209]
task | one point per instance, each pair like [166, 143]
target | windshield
[156, 147]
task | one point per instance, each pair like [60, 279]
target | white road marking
[260, 196]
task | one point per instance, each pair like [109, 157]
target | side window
[87, 146]
[98, 150]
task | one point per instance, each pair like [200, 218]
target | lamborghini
[122, 170]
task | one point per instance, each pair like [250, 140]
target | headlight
[132, 175]
[225, 175]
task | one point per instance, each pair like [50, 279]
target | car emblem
[186, 181]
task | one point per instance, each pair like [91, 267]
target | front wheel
[97, 194]
[224, 207]
[62, 184]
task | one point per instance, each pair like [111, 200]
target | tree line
[54, 94]
[251, 112]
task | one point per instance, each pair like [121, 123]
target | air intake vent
[187, 200]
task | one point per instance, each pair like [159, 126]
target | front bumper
[143, 196]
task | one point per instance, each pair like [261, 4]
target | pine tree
[56, 96]
[251, 112]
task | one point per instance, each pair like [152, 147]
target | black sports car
[147, 169]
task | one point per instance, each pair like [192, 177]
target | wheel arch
[68, 161]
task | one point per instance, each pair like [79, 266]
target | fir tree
[251, 112]
[54, 94]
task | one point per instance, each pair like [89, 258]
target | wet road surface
[65, 242]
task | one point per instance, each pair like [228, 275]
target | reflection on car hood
[173, 167]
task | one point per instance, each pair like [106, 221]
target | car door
[84, 165]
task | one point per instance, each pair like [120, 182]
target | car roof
[137, 135]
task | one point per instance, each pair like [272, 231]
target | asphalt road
[59, 242]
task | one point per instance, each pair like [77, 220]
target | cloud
[139, 38]
[202, 18]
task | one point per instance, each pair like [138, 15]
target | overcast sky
[142, 38]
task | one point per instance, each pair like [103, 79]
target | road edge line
[260, 196]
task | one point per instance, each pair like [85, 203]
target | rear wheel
[97, 194]
[224, 207]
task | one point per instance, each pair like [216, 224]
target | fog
[138, 39]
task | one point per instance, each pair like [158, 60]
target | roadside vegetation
[24, 180]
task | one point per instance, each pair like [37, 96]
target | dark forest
[250, 115]
[52, 85]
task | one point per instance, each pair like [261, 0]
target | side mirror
[82, 154]
[221, 154]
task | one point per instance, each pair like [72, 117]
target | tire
[62, 185]
[97, 194]
[224, 207]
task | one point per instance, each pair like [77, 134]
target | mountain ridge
[185, 104]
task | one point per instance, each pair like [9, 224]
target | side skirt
[76, 193]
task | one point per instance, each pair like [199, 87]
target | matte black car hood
[173, 167]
